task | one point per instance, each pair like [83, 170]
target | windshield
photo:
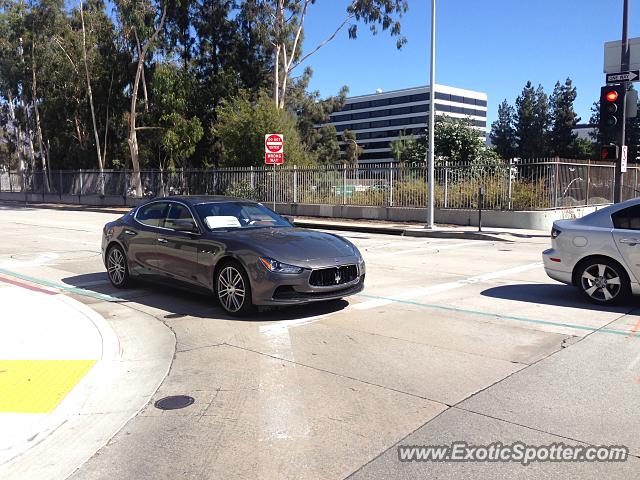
[227, 215]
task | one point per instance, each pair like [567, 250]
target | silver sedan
[598, 253]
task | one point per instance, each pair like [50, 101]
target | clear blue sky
[493, 46]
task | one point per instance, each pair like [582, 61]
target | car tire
[233, 289]
[117, 267]
[602, 281]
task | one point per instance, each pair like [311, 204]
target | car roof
[198, 199]
[602, 216]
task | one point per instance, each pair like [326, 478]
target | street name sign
[623, 159]
[631, 76]
[273, 149]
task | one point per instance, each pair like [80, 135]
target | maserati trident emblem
[338, 277]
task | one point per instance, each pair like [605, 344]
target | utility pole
[624, 64]
[432, 113]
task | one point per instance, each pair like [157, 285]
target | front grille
[329, 277]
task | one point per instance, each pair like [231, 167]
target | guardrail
[515, 185]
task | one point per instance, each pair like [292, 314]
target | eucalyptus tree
[286, 21]
[141, 22]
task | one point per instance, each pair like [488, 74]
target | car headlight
[279, 267]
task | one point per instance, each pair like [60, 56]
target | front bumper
[554, 269]
[270, 288]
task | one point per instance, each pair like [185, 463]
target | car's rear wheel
[603, 281]
[117, 268]
[233, 289]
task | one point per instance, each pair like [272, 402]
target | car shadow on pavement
[556, 295]
[170, 302]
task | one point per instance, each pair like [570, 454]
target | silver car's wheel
[233, 289]
[117, 267]
[602, 282]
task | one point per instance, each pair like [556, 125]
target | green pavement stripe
[60, 286]
[501, 317]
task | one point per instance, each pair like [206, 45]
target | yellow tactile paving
[38, 386]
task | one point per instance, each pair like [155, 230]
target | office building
[382, 117]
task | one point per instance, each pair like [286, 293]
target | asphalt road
[452, 340]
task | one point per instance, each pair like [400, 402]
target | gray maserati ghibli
[239, 250]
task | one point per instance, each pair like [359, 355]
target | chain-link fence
[514, 185]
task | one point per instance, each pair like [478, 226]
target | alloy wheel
[231, 289]
[116, 266]
[601, 282]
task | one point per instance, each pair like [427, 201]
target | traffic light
[611, 112]
[609, 152]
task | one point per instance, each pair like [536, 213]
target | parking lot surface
[452, 340]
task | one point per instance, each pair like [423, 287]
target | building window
[443, 96]
[419, 97]
[380, 102]
[420, 108]
[457, 99]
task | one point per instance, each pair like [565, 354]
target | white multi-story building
[382, 117]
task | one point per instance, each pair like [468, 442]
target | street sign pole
[274, 155]
[624, 63]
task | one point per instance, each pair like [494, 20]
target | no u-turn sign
[273, 149]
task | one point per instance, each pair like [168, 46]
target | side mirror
[289, 219]
[185, 226]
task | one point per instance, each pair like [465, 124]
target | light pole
[432, 113]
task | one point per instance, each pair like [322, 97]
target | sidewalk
[68, 380]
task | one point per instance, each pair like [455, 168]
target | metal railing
[514, 185]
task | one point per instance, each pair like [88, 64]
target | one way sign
[631, 76]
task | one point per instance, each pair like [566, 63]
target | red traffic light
[612, 96]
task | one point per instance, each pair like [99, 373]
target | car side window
[177, 211]
[627, 219]
[152, 214]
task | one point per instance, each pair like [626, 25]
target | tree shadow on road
[170, 302]
[555, 295]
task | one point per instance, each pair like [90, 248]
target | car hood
[296, 245]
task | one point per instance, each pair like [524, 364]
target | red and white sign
[273, 149]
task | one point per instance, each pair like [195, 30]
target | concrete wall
[535, 220]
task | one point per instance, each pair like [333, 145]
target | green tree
[503, 132]
[457, 140]
[532, 122]
[242, 124]
[562, 140]
[352, 151]
[309, 111]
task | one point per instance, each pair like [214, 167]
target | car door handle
[130, 232]
[630, 241]
[162, 240]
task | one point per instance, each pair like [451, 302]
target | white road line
[443, 287]
[434, 248]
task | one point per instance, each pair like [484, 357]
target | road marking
[502, 317]
[27, 286]
[59, 286]
[433, 248]
[443, 287]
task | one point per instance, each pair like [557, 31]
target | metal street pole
[624, 66]
[432, 113]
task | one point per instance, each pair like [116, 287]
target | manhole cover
[174, 402]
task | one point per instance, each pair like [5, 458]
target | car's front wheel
[117, 267]
[233, 289]
[603, 282]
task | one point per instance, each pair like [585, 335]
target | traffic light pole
[624, 62]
